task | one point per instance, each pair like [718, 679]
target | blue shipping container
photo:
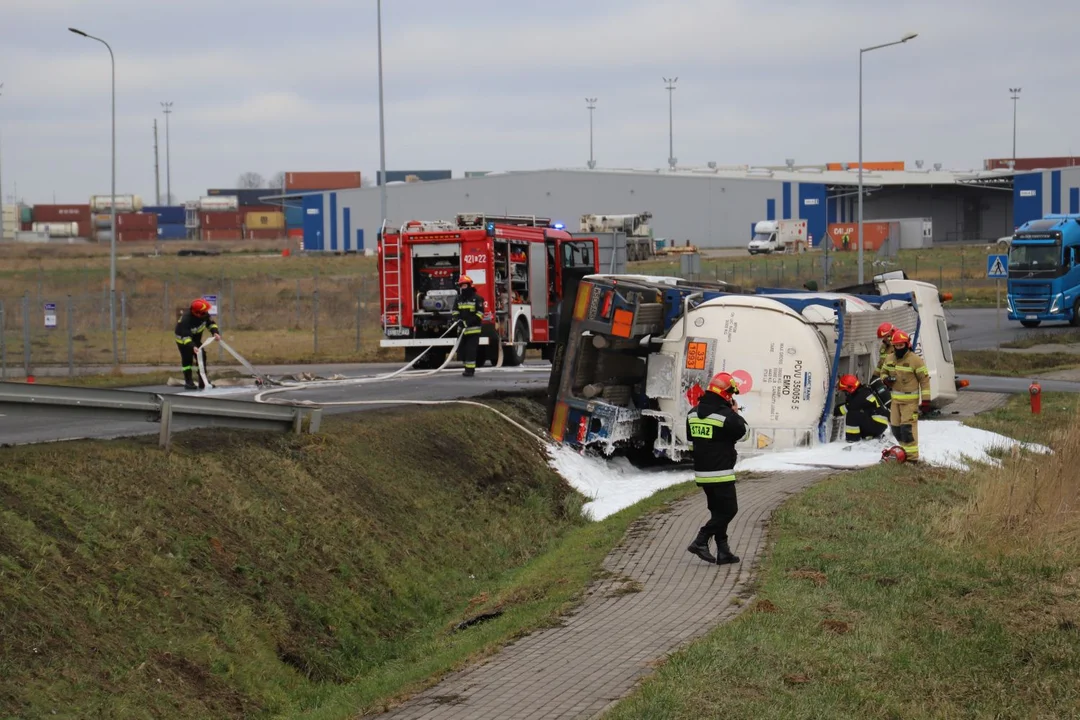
[167, 215]
[294, 217]
[172, 232]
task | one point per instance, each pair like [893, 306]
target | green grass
[862, 611]
[1009, 364]
[261, 575]
[1015, 419]
[1030, 340]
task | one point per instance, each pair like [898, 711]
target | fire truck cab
[521, 265]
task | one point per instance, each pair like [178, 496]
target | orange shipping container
[876, 234]
[322, 180]
[895, 165]
[264, 220]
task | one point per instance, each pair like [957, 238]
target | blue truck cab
[1044, 271]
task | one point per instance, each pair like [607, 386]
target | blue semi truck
[1044, 271]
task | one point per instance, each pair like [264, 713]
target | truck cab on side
[1044, 271]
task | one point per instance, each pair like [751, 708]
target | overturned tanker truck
[637, 352]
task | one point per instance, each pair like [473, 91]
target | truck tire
[1075, 321]
[514, 353]
[1031, 323]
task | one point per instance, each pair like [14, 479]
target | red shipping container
[322, 180]
[228, 234]
[264, 234]
[296, 233]
[876, 234]
[135, 235]
[66, 213]
[28, 227]
[136, 221]
[221, 220]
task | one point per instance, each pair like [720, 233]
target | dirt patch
[201, 686]
[837, 627]
[815, 576]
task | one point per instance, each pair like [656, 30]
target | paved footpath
[613, 639]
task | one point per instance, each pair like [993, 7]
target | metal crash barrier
[171, 411]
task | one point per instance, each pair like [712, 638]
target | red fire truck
[521, 265]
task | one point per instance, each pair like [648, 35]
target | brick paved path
[603, 649]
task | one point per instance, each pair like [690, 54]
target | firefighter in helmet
[714, 426]
[189, 335]
[469, 311]
[909, 380]
[864, 415]
[884, 333]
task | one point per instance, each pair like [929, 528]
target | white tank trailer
[219, 203]
[626, 384]
[57, 229]
[124, 203]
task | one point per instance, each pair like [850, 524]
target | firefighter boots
[700, 547]
[724, 555]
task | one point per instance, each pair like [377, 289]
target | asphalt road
[977, 328]
[61, 425]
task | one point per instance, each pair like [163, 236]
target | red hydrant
[1036, 397]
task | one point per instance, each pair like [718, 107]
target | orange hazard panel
[695, 355]
[623, 324]
[558, 423]
[582, 302]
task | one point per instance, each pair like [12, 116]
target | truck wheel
[488, 353]
[1075, 321]
[1031, 323]
[514, 354]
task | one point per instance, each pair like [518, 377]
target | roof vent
[919, 164]
[937, 167]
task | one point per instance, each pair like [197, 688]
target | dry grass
[1030, 504]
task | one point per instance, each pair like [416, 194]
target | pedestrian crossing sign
[997, 267]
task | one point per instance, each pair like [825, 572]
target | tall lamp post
[591, 104]
[167, 107]
[862, 51]
[669, 85]
[382, 124]
[112, 201]
[1015, 95]
[2, 192]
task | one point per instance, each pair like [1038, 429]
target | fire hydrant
[1036, 397]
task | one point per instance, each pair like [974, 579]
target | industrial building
[712, 207]
[1050, 191]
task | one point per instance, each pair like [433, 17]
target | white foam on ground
[615, 484]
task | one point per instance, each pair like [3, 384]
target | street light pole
[382, 125]
[909, 36]
[591, 104]
[167, 107]
[157, 168]
[112, 201]
[1015, 94]
[669, 84]
[2, 238]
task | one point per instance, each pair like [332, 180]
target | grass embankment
[264, 575]
[1032, 339]
[1009, 364]
[907, 592]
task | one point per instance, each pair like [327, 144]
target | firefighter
[189, 333]
[909, 380]
[469, 311]
[714, 426]
[864, 416]
[884, 333]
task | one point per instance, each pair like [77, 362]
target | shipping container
[124, 203]
[322, 180]
[136, 221]
[103, 221]
[264, 221]
[296, 234]
[57, 229]
[26, 214]
[245, 198]
[877, 233]
[79, 214]
[136, 236]
[28, 236]
[26, 226]
[264, 234]
[211, 235]
[1022, 164]
[219, 203]
[167, 214]
[172, 232]
[221, 220]
[294, 217]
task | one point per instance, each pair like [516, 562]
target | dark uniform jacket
[189, 329]
[864, 415]
[714, 427]
[469, 309]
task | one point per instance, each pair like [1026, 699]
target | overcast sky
[270, 85]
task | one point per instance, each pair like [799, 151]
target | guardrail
[160, 408]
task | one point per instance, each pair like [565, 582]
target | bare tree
[250, 181]
[277, 181]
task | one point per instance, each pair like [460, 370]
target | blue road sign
[997, 267]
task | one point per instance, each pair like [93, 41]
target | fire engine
[521, 265]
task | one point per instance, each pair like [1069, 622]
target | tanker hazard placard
[696, 353]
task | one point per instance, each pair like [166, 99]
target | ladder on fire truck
[391, 277]
[479, 220]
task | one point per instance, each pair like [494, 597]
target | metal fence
[268, 320]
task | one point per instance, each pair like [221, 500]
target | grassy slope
[867, 609]
[1008, 364]
[251, 575]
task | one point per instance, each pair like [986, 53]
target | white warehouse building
[709, 207]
